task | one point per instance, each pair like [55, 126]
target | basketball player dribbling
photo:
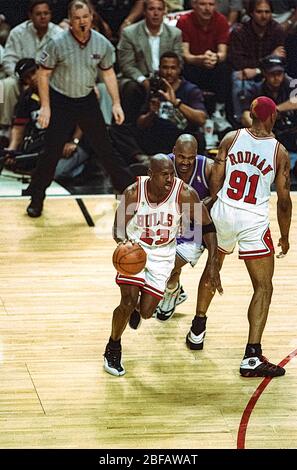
[150, 213]
[248, 161]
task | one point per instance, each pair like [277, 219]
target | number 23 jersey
[154, 224]
[249, 173]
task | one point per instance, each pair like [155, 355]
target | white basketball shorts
[249, 230]
[153, 278]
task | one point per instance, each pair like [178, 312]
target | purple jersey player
[193, 172]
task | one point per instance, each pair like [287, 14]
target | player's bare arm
[124, 213]
[218, 170]
[208, 201]
[284, 203]
[208, 168]
[43, 76]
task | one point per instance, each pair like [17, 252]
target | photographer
[28, 137]
[249, 43]
[174, 106]
[277, 86]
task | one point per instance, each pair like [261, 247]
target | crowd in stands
[182, 65]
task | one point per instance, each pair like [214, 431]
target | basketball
[129, 259]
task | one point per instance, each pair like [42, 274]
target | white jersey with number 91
[249, 173]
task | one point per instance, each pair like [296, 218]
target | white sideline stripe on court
[11, 187]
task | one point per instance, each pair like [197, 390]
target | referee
[68, 72]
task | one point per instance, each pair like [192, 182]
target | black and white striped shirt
[75, 64]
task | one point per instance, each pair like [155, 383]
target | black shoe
[35, 208]
[195, 342]
[135, 320]
[112, 361]
[259, 367]
[196, 335]
[26, 192]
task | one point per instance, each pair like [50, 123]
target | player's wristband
[208, 228]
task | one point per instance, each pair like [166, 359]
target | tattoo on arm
[286, 174]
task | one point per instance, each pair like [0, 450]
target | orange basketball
[129, 259]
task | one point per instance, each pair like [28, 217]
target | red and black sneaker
[259, 367]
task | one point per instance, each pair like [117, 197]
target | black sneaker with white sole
[112, 361]
[135, 320]
[196, 335]
[259, 367]
[163, 316]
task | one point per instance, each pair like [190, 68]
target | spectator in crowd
[139, 51]
[231, 9]
[205, 37]
[285, 13]
[26, 135]
[25, 40]
[291, 53]
[277, 86]
[4, 31]
[117, 14]
[173, 106]
[66, 88]
[29, 38]
[16, 11]
[174, 5]
[249, 43]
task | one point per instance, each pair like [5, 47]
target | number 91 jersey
[155, 224]
[249, 173]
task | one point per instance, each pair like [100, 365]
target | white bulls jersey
[250, 171]
[155, 224]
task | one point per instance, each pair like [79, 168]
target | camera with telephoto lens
[156, 83]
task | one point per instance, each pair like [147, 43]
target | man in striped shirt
[69, 67]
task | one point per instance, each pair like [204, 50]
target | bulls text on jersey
[154, 219]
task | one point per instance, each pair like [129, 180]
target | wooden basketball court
[56, 301]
